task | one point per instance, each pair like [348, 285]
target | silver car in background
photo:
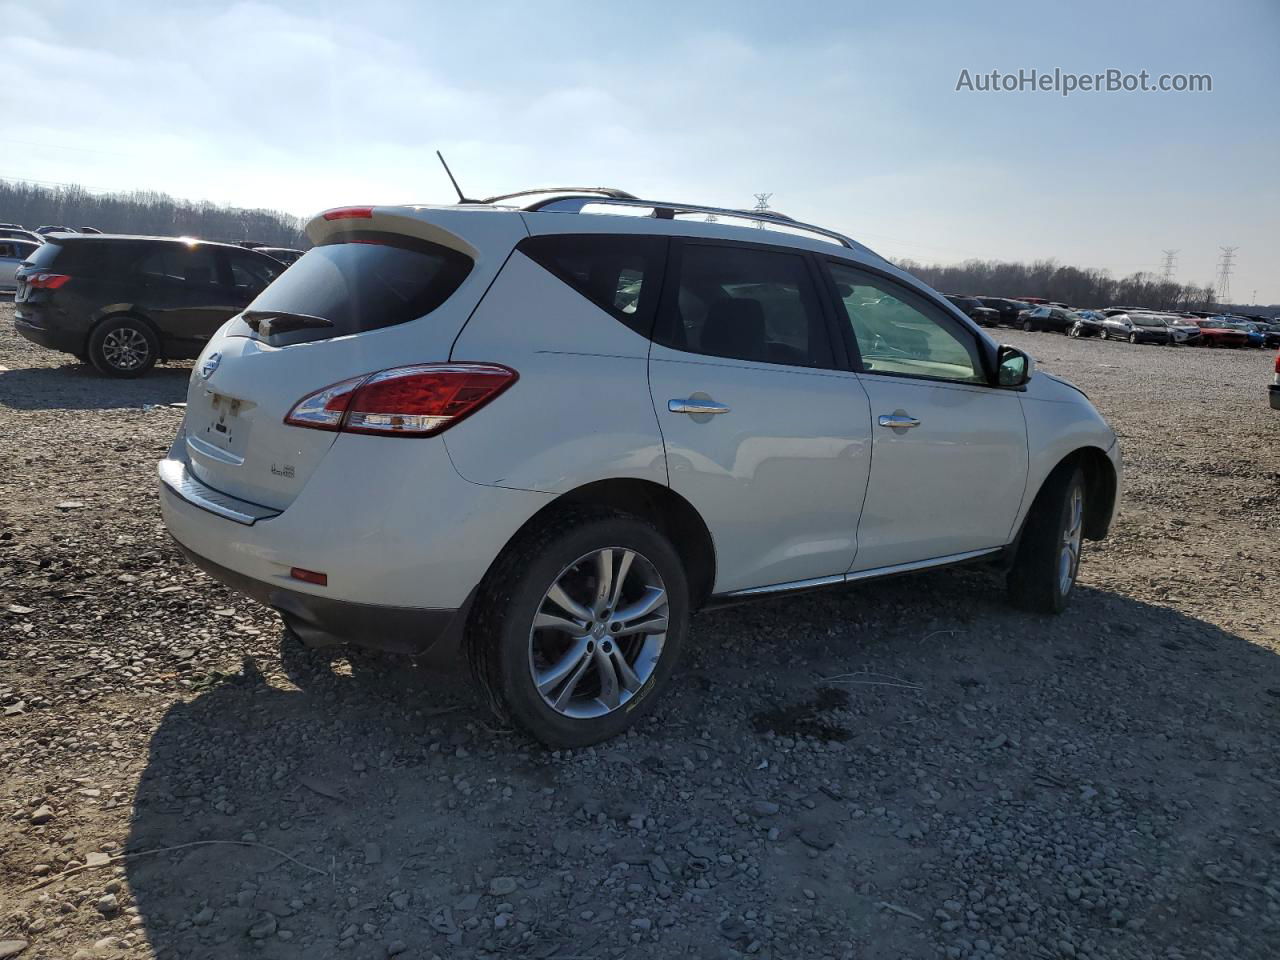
[12, 253]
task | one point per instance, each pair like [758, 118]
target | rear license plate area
[225, 428]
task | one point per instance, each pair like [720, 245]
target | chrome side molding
[870, 574]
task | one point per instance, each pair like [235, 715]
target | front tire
[1048, 558]
[1026, 325]
[579, 625]
[123, 347]
[1133, 338]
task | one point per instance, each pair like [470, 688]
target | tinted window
[364, 281]
[250, 273]
[746, 303]
[901, 333]
[182, 263]
[620, 274]
[44, 255]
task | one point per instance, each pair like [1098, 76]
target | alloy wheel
[1069, 551]
[125, 348]
[598, 633]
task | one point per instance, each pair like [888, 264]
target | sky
[846, 112]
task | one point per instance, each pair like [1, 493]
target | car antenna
[458, 189]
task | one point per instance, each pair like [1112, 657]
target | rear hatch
[42, 259]
[381, 288]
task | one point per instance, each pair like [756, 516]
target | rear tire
[123, 347]
[593, 666]
[1048, 558]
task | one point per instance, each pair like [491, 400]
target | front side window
[745, 303]
[901, 334]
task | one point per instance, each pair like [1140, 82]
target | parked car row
[1150, 326]
[1135, 324]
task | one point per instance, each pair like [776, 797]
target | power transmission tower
[1170, 262]
[762, 206]
[1224, 273]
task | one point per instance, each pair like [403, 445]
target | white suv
[551, 430]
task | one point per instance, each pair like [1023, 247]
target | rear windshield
[44, 255]
[363, 281]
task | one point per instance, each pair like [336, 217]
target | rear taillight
[349, 213]
[417, 401]
[1278, 363]
[47, 281]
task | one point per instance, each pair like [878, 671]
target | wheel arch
[115, 310]
[1100, 484]
[673, 515]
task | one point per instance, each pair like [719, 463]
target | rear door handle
[696, 406]
[897, 421]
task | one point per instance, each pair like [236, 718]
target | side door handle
[696, 406]
[898, 421]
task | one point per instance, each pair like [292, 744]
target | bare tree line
[1050, 280]
[144, 212]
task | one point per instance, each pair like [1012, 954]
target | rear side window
[178, 262]
[620, 274]
[250, 273]
[746, 303]
[363, 281]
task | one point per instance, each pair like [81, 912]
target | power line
[1170, 262]
[762, 206]
[1224, 273]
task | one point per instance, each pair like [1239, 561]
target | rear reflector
[47, 281]
[418, 401]
[349, 213]
[309, 576]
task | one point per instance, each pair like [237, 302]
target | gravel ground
[909, 769]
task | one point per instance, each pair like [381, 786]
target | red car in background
[1275, 386]
[1213, 334]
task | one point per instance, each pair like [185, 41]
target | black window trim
[840, 362]
[986, 352]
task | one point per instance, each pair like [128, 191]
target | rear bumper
[45, 337]
[402, 557]
[1274, 390]
[321, 620]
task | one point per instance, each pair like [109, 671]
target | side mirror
[1014, 366]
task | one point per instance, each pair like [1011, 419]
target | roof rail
[668, 211]
[612, 192]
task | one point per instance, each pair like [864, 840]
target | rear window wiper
[268, 322]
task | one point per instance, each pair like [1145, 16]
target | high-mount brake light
[416, 401]
[47, 281]
[349, 213]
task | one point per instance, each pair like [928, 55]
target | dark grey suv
[122, 303]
